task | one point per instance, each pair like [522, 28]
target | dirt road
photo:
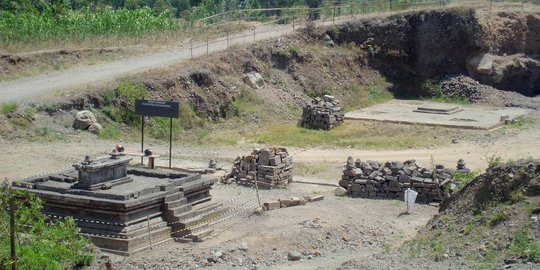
[28, 89]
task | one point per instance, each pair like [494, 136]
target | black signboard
[161, 108]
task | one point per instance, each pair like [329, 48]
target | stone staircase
[189, 220]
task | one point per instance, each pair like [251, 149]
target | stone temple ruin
[125, 209]
[371, 179]
[269, 167]
[323, 113]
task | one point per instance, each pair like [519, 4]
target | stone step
[187, 233]
[199, 235]
[196, 211]
[174, 196]
[178, 210]
[174, 204]
[205, 217]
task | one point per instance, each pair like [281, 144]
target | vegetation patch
[40, 242]
[432, 89]
[10, 107]
[525, 246]
[349, 134]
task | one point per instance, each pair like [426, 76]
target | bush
[50, 244]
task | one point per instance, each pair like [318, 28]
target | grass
[111, 132]
[349, 134]
[359, 96]
[522, 123]
[9, 107]
[433, 90]
[497, 219]
[47, 134]
[309, 169]
[426, 246]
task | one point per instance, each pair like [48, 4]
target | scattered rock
[328, 41]
[95, 128]
[340, 192]
[84, 119]
[258, 211]
[243, 247]
[254, 80]
[218, 254]
[294, 256]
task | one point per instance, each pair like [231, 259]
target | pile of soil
[465, 87]
[492, 221]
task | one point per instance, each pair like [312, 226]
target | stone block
[272, 205]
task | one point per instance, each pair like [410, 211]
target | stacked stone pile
[371, 179]
[323, 113]
[269, 167]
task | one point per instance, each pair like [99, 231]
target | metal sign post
[157, 108]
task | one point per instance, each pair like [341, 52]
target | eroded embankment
[499, 49]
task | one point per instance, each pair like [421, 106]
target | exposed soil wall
[412, 47]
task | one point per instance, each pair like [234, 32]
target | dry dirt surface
[336, 233]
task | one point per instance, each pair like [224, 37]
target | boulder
[95, 128]
[481, 64]
[341, 192]
[254, 80]
[84, 119]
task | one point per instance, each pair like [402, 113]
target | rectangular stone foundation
[133, 216]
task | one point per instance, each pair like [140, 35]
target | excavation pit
[437, 114]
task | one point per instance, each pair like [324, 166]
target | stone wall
[268, 166]
[323, 113]
[371, 179]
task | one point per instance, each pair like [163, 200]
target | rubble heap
[269, 167]
[323, 113]
[371, 179]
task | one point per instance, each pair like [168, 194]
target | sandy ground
[325, 233]
[328, 234]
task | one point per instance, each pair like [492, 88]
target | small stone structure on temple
[125, 209]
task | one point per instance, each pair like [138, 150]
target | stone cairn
[372, 179]
[269, 167]
[323, 113]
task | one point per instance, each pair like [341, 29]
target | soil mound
[492, 221]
